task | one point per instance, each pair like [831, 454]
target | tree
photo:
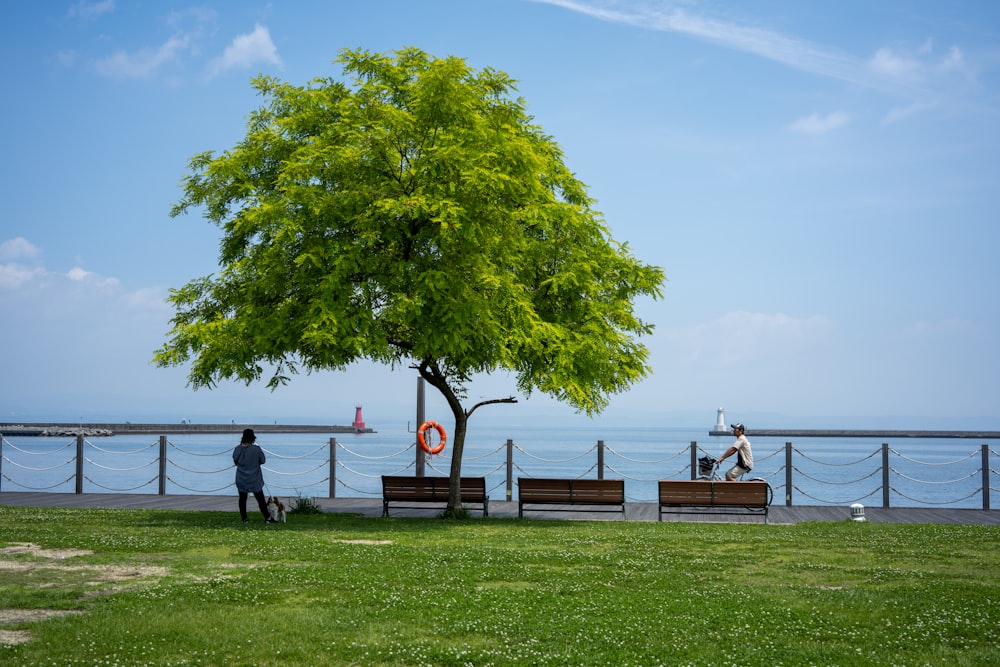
[415, 216]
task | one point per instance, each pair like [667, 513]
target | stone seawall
[99, 429]
[848, 433]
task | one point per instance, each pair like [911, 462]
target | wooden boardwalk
[779, 514]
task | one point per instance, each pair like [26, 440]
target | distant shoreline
[109, 429]
[848, 433]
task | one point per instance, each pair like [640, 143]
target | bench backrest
[708, 492]
[431, 488]
[583, 491]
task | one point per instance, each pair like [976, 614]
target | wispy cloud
[143, 63]
[90, 10]
[246, 51]
[739, 337]
[817, 124]
[187, 29]
[18, 248]
[888, 70]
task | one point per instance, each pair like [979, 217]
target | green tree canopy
[413, 216]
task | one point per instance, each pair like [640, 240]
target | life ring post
[422, 440]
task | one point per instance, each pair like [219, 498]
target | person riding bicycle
[744, 457]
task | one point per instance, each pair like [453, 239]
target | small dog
[276, 509]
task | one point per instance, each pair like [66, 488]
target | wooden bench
[570, 495]
[714, 497]
[417, 491]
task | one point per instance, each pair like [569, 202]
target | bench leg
[385, 508]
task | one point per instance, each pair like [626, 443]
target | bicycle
[708, 469]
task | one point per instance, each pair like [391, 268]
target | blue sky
[819, 181]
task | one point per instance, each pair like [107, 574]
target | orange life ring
[423, 443]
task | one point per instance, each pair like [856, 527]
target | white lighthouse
[720, 424]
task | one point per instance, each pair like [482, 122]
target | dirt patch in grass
[18, 616]
[50, 563]
[36, 551]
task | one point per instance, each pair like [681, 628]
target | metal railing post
[333, 467]
[694, 459]
[79, 463]
[162, 490]
[788, 474]
[600, 459]
[885, 475]
[986, 477]
[510, 469]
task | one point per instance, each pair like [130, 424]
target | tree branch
[509, 399]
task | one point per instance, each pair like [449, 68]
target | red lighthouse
[359, 421]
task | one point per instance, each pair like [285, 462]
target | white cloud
[14, 276]
[816, 124]
[147, 297]
[911, 74]
[797, 53]
[79, 275]
[897, 114]
[741, 337]
[144, 63]
[245, 51]
[186, 28]
[919, 66]
[891, 64]
[18, 248]
[90, 10]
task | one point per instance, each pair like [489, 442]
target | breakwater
[128, 428]
[852, 433]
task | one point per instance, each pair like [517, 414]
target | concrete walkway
[779, 514]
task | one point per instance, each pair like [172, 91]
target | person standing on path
[744, 457]
[248, 458]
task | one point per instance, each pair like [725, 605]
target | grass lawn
[138, 587]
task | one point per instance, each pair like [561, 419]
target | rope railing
[929, 463]
[931, 502]
[925, 481]
[358, 471]
[104, 467]
[276, 455]
[837, 502]
[611, 450]
[112, 451]
[376, 458]
[538, 458]
[9, 445]
[35, 469]
[191, 453]
[198, 472]
[839, 465]
[301, 472]
[761, 459]
[840, 483]
[118, 490]
[200, 491]
[37, 488]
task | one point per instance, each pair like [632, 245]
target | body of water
[825, 471]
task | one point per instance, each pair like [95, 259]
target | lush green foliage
[304, 505]
[342, 590]
[415, 216]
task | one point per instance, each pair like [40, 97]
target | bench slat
[401, 489]
[710, 494]
[569, 492]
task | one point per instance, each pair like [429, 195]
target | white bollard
[858, 512]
